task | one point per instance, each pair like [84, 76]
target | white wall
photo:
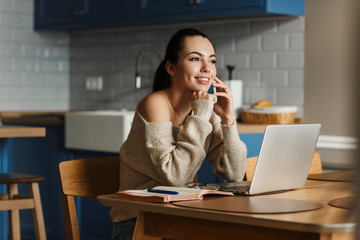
[34, 67]
[331, 80]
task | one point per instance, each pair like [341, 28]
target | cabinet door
[160, 8]
[70, 14]
[52, 12]
[103, 10]
[242, 6]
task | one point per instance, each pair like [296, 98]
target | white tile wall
[34, 66]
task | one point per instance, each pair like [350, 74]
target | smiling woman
[179, 125]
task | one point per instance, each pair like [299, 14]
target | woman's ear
[170, 68]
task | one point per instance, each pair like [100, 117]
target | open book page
[178, 194]
[186, 190]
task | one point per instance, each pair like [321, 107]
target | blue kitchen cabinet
[79, 14]
[75, 14]
[249, 8]
[41, 156]
[157, 11]
[253, 143]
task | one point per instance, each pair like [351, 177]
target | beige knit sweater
[158, 153]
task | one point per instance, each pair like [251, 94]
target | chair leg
[38, 216]
[14, 218]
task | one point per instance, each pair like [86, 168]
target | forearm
[227, 154]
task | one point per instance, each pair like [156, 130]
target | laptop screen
[285, 157]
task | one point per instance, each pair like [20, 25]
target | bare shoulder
[155, 108]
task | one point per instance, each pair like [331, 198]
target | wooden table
[166, 220]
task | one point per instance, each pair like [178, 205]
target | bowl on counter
[269, 115]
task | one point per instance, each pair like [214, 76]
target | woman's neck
[180, 102]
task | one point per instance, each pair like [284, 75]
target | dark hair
[162, 79]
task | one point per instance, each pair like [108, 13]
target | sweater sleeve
[227, 153]
[177, 161]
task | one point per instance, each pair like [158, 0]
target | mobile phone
[212, 89]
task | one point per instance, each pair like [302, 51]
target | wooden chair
[85, 178]
[315, 167]
[12, 201]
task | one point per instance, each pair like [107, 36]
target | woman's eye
[194, 59]
[213, 61]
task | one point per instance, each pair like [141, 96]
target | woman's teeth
[203, 79]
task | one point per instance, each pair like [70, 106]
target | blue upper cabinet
[252, 8]
[161, 11]
[79, 14]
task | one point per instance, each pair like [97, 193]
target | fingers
[203, 95]
[222, 90]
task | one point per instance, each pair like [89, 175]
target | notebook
[168, 194]
[284, 160]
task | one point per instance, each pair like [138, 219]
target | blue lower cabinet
[41, 156]
[4, 168]
[253, 143]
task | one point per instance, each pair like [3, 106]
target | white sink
[97, 130]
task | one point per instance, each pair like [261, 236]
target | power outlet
[94, 83]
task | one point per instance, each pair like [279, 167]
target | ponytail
[162, 79]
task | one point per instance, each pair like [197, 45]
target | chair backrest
[315, 167]
[85, 178]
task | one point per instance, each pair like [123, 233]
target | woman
[179, 125]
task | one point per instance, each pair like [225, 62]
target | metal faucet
[139, 58]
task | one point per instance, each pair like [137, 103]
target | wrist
[228, 122]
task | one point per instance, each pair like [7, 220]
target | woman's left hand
[224, 106]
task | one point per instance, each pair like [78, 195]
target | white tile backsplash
[275, 42]
[290, 60]
[263, 60]
[34, 66]
[248, 43]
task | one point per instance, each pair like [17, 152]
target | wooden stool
[13, 202]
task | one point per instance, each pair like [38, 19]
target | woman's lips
[203, 80]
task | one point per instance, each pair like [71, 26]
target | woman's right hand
[199, 95]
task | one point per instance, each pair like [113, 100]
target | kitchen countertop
[52, 118]
[20, 131]
[47, 118]
[257, 128]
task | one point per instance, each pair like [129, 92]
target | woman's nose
[205, 67]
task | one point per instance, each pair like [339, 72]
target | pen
[162, 191]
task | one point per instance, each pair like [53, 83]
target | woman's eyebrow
[200, 54]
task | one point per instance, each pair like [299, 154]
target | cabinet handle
[192, 2]
[78, 13]
[80, 7]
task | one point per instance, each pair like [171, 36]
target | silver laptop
[284, 160]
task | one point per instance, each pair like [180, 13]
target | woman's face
[196, 68]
